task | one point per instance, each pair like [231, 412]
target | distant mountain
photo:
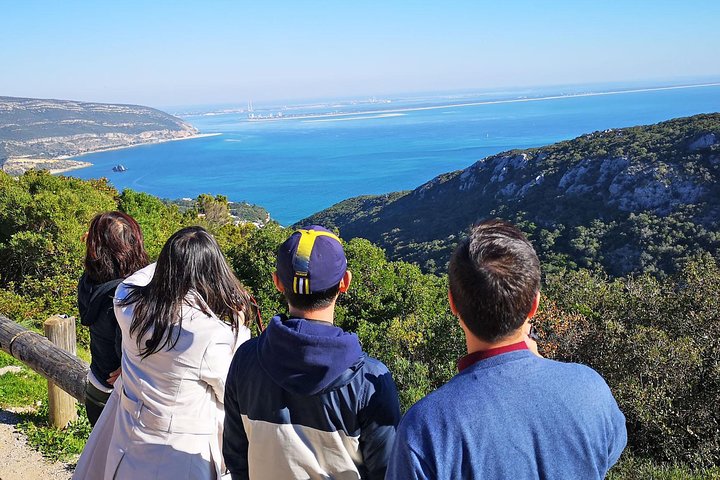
[38, 128]
[628, 200]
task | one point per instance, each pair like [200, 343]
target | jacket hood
[92, 297]
[306, 356]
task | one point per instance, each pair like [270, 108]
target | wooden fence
[62, 368]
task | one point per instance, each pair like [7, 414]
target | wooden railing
[62, 368]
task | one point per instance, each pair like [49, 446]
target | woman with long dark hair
[114, 250]
[181, 320]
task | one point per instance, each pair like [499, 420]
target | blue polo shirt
[512, 415]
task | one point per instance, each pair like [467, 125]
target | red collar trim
[472, 358]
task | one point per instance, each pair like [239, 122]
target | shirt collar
[472, 358]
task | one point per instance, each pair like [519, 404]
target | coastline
[121, 147]
[18, 165]
[359, 114]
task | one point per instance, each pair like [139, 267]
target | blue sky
[193, 52]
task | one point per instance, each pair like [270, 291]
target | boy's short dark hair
[311, 301]
[494, 276]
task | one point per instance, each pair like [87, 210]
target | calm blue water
[296, 167]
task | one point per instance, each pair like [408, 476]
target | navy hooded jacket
[303, 401]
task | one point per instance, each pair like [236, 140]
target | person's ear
[454, 311]
[451, 301]
[345, 282]
[278, 283]
[535, 305]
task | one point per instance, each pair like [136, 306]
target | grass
[28, 389]
[22, 389]
[55, 444]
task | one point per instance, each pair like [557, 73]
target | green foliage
[42, 220]
[657, 344]
[253, 261]
[56, 444]
[631, 468]
[20, 389]
[215, 210]
[634, 200]
[157, 220]
[401, 317]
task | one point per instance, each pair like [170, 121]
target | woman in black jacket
[114, 250]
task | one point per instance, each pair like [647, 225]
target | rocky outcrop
[704, 141]
[631, 199]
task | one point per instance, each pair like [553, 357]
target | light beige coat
[168, 415]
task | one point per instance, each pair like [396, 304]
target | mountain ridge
[607, 199]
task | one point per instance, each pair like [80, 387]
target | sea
[297, 158]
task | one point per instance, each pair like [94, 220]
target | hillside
[48, 129]
[638, 199]
[654, 340]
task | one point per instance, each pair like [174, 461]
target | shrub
[657, 344]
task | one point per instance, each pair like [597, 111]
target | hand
[530, 339]
[114, 376]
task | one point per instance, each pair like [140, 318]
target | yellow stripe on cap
[307, 240]
[301, 261]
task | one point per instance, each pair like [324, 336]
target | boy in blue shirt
[508, 413]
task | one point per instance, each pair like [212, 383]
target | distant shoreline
[484, 102]
[18, 165]
[66, 163]
[121, 147]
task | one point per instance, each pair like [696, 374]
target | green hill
[638, 199]
[40, 128]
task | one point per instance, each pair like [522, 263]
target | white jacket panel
[168, 423]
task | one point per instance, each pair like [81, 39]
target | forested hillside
[655, 340]
[631, 200]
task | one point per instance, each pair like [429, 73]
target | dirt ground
[18, 461]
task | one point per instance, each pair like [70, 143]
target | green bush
[632, 468]
[657, 344]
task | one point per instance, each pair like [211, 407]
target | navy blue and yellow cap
[312, 260]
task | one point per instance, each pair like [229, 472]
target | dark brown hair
[311, 301]
[494, 276]
[192, 271]
[114, 247]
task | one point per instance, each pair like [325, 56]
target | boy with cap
[303, 400]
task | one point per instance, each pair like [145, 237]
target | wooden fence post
[60, 330]
[37, 352]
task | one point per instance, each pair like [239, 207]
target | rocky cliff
[626, 200]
